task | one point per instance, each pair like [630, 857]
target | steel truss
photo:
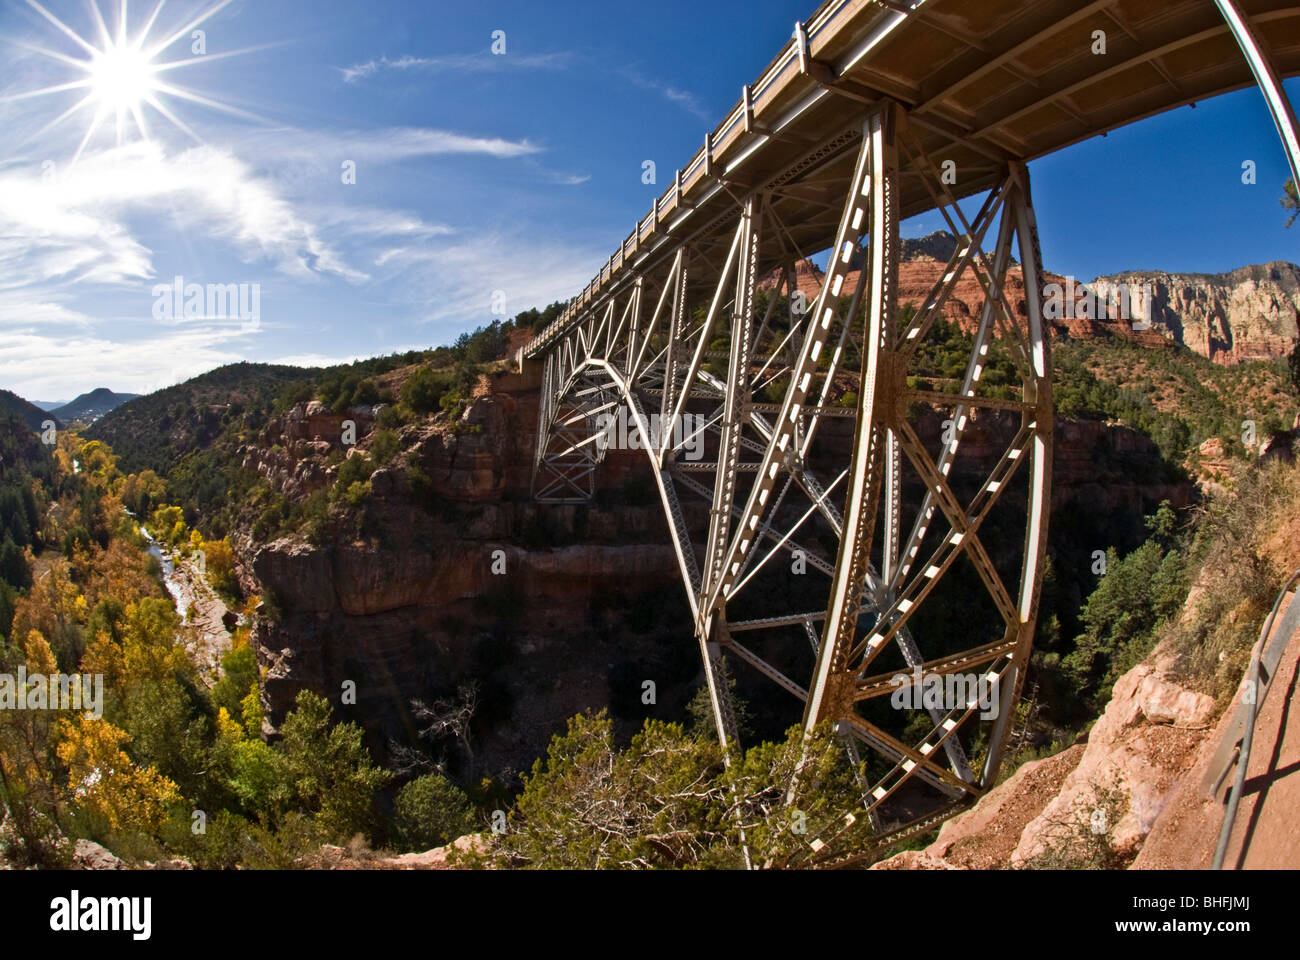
[890, 533]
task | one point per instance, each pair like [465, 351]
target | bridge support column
[872, 210]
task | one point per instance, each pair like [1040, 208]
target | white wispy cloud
[453, 282]
[326, 148]
[35, 364]
[682, 98]
[76, 227]
[317, 359]
[457, 62]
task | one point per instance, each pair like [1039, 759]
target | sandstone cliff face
[1138, 750]
[1248, 314]
[430, 596]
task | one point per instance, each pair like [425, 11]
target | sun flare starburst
[121, 78]
[122, 74]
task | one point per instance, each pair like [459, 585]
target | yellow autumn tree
[98, 462]
[27, 781]
[151, 648]
[105, 657]
[140, 491]
[103, 780]
[227, 728]
[219, 558]
[168, 524]
[51, 608]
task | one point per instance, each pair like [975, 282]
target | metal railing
[753, 97]
[1256, 682]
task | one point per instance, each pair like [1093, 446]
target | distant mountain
[13, 405]
[89, 407]
[50, 404]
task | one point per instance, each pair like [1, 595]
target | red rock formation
[1250, 313]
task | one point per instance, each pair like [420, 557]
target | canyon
[548, 609]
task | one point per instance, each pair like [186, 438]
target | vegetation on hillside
[14, 406]
[188, 437]
[1177, 397]
[27, 484]
[173, 762]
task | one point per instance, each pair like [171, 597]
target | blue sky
[475, 173]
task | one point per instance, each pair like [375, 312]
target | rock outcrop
[1128, 766]
[1252, 313]
[1247, 314]
[1140, 747]
[454, 574]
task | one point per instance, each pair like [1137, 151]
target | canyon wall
[1248, 314]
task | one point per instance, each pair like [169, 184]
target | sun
[122, 78]
[123, 75]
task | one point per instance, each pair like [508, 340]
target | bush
[384, 445]
[431, 811]
[424, 389]
[355, 469]
[356, 493]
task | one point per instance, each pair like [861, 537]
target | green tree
[1122, 616]
[239, 675]
[432, 812]
[1290, 201]
[13, 567]
[423, 389]
[330, 769]
[587, 805]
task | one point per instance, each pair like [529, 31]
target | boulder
[88, 855]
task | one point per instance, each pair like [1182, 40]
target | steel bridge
[814, 415]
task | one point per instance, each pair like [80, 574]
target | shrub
[431, 811]
[355, 469]
[384, 445]
[424, 389]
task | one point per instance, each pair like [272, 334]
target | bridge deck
[982, 82]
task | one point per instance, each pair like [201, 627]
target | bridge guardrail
[1234, 748]
[758, 94]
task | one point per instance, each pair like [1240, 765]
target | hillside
[155, 431]
[89, 407]
[27, 482]
[1181, 400]
[12, 405]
